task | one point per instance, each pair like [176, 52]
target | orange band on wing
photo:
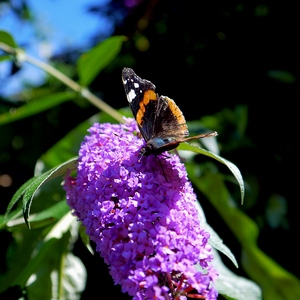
[176, 111]
[149, 95]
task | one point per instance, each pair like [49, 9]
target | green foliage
[283, 76]
[93, 61]
[36, 106]
[44, 258]
[235, 171]
[256, 263]
[232, 286]
[88, 66]
[28, 189]
[41, 259]
[7, 39]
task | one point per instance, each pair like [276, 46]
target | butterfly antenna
[201, 136]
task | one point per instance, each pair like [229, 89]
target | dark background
[210, 57]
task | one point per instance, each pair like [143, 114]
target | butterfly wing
[142, 101]
[159, 119]
[169, 121]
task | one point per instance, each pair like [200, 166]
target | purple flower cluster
[141, 213]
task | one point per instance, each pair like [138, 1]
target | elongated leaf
[17, 196]
[24, 247]
[69, 145]
[92, 62]
[36, 106]
[59, 274]
[215, 241]
[5, 57]
[56, 211]
[256, 263]
[283, 76]
[73, 277]
[28, 190]
[70, 275]
[43, 218]
[7, 39]
[14, 215]
[232, 286]
[235, 171]
[85, 239]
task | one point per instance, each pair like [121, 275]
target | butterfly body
[159, 119]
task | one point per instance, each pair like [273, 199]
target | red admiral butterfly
[159, 119]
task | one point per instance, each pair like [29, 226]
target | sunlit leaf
[73, 277]
[235, 171]
[28, 190]
[49, 270]
[43, 218]
[232, 286]
[54, 262]
[36, 106]
[92, 62]
[215, 241]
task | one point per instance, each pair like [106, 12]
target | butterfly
[159, 119]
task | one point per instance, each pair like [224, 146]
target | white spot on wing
[136, 85]
[131, 95]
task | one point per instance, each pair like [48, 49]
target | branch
[21, 56]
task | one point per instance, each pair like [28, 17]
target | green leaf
[58, 273]
[228, 284]
[214, 240]
[85, 239]
[5, 57]
[92, 62]
[28, 190]
[14, 215]
[43, 218]
[74, 277]
[21, 252]
[232, 286]
[235, 171]
[276, 282]
[283, 76]
[7, 39]
[16, 197]
[36, 106]
[69, 145]
[54, 258]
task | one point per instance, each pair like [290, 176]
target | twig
[21, 56]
